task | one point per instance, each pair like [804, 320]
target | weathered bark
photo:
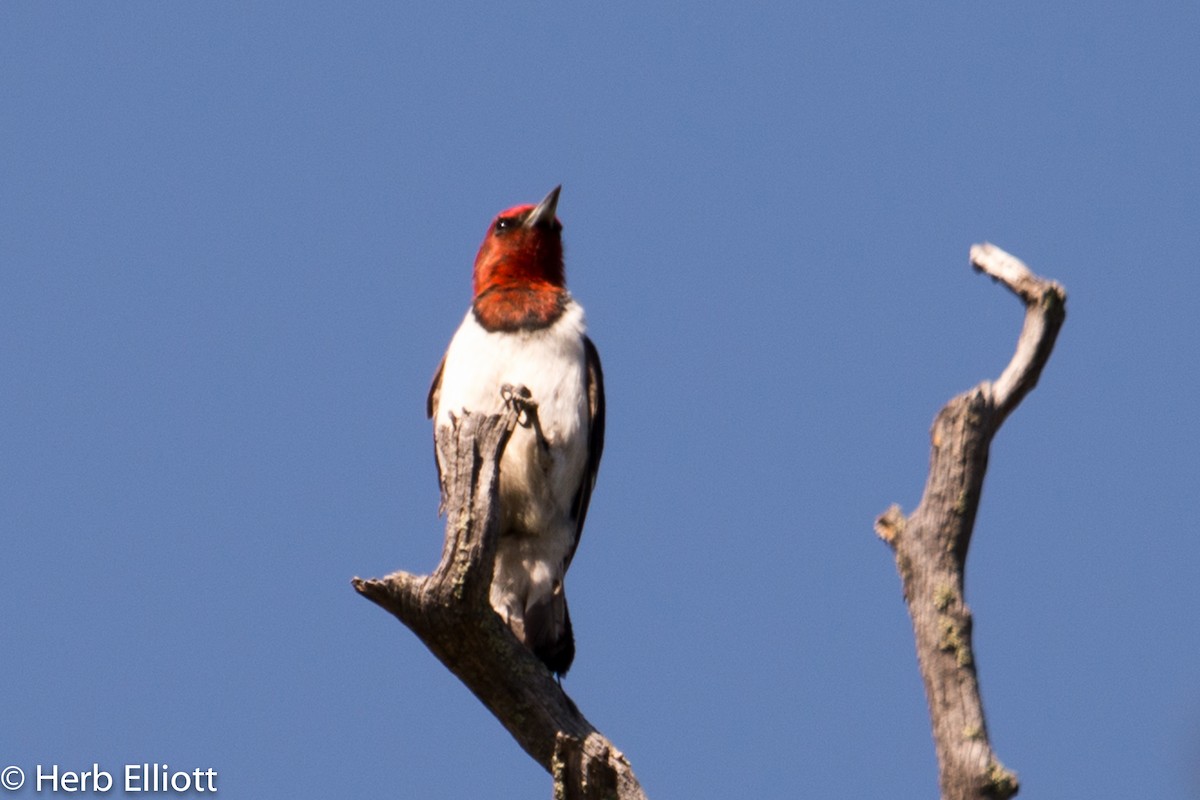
[931, 545]
[449, 611]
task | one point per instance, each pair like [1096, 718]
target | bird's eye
[505, 224]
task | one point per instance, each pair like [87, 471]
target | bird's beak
[544, 211]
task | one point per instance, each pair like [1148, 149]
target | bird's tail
[548, 630]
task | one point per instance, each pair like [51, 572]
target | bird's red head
[520, 281]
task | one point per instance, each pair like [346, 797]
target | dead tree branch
[931, 545]
[450, 612]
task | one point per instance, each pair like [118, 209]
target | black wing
[595, 396]
[431, 404]
[434, 390]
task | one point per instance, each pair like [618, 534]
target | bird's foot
[520, 399]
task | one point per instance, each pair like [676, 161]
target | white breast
[536, 486]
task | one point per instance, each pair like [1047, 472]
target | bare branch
[450, 612]
[931, 545]
[1045, 310]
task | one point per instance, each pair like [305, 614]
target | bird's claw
[520, 399]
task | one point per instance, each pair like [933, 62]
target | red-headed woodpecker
[525, 330]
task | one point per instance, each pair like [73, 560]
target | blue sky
[235, 240]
